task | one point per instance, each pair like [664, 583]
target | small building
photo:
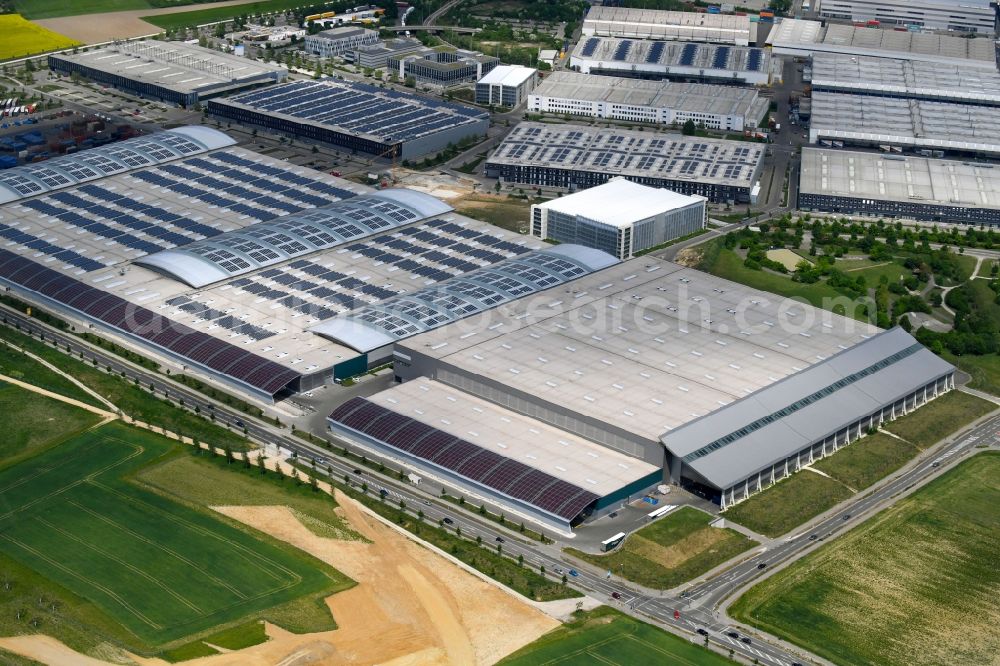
[619, 217]
[548, 56]
[662, 102]
[375, 56]
[443, 68]
[338, 42]
[506, 85]
[173, 72]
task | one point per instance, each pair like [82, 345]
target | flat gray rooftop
[630, 153]
[797, 35]
[556, 452]
[912, 78]
[686, 97]
[653, 23]
[177, 66]
[645, 346]
[907, 122]
[898, 178]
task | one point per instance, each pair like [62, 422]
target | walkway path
[83, 387]
[108, 416]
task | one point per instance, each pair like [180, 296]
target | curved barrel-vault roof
[260, 245]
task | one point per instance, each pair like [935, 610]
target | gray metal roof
[144, 151]
[404, 316]
[260, 245]
[775, 422]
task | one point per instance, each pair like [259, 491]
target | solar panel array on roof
[482, 466]
[721, 57]
[197, 347]
[268, 243]
[358, 108]
[754, 60]
[67, 170]
[655, 51]
[687, 55]
[623, 48]
[590, 45]
[403, 316]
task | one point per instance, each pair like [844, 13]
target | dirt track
[410, 606]
[96, 28]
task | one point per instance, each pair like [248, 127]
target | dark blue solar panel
[655, 51]
[688, 54]
[754, 60]
[624, 47]
[721, 57]
[590, 46]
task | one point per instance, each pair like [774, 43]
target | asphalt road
[697, 609]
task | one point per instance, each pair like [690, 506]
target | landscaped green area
[40, 422]
[214, 14]
[674, 549]
[205, 480]
[788, 503]
[606, 636]
[806, 494]
[114, 561]
[136, 401]
[17, 365]
[916, 584]
[940, 418]
[726, 263]
[984, 370]
[23, 38]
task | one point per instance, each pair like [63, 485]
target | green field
[509, 214]
[940, 418]
[208, 481]
[605, 636]
[917, 584]
[43, 9]
[163, 570]
[23, 38]
[672, 550]
[40, 422]
[984, 370]
[131, 399]
[214, 14]
[803, 496]
[15, 364]
[788, 503]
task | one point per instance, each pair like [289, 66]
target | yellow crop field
[22, 38]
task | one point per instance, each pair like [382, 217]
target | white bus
[612, 542]
[653, 515]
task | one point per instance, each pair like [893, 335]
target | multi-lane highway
[701, 607]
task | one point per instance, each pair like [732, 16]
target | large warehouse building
[866, 120]
[807, 38]
[854, 183]
[918, 79]
[965, 16]
[671, 25]
[683, 61]
[355, 116]
[619, 217]
[220, 262]
[578, 156]
[663, 102]
[721, 388]
[174, 72]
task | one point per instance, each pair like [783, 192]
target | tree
[689, 128]
[520, 560]
[229, 454]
